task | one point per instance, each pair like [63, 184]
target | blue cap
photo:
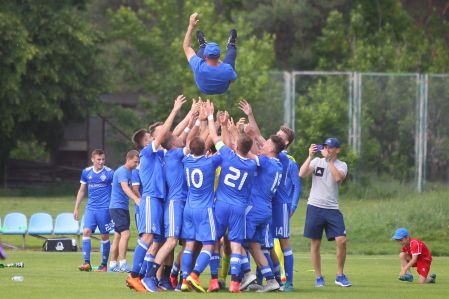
[400, 234]
[212, 50]
[332, 142]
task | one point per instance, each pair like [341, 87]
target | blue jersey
[119, 199]
[135, 181]
[266, 181]
[200, 176]
[152, 172]
[174, 174]
[212, 79]
[236, 177]
[290, 187]
[98, 187]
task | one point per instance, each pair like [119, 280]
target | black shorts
[319, 219]
[121, 219]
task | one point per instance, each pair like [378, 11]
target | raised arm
[246, 108]
[305, 169]
[188, 50]
[189, 128]
[210, 120]
[180, 100]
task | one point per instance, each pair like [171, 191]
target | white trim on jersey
[286, 216]
[171, 216]
[147, 215]
[248, 208]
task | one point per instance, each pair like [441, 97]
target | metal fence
[397, 125]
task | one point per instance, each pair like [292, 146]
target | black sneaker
[232, 39]
[201, 38]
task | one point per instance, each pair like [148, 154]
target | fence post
[288, 99]
[421, 131]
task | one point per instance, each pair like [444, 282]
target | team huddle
[172, 180]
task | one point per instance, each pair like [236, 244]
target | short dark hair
[197, 146]
[138, 138]
[244, 143]
[96, 152]
[278, 143]
[131, 154]
[167, 143]
[290, 134]
[153, 127]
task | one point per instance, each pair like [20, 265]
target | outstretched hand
[193, 21]
[180, 100]
[209, 107]
[245, 107]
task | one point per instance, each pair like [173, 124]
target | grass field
[54, 275]
[372, 262]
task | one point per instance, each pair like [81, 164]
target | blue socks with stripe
[288, 264]
[139, 255]
[106, 245]
[202, 261]
[214, 265]
[186, 263]
[86, 249]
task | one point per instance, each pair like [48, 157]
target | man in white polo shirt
[322, 210]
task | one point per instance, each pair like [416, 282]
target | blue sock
[288, 264]
[245, 265]
[202, 261]
[86, 249]
[175, 269]
[147, 259]
[267, 273]
[214, 265]
[152, 270]
[150, 262]
[186, 262]
[139, 255]
[105, 253]
[235, 263]
[259, 276]
[267, 255]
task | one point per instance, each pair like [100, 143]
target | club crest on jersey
[103, 177]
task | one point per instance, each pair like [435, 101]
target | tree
[50, 70]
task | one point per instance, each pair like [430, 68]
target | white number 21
[231, 178]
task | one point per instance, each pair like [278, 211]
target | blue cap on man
[332, 142]
[212, 50]
[400, 234]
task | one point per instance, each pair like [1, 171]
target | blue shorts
[173, 214]
[257, 226]
[319, 219]
[281, 220]
[151, 214]
[100, 218]
[199, 225]
[121, 219]
[232, 218]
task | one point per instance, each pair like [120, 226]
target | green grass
[54, 275]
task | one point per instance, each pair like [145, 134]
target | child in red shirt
[414, 253]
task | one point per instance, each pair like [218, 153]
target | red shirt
[417, 247]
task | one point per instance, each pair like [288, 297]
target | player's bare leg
[122, 249]
[262, 262]
[114, 253]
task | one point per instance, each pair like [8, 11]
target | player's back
[266, 180]
[174, 174]
[200, 176]
[98, 186]
[236, 178]
[284, 191]
[151, 172]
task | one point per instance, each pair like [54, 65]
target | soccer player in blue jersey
[232, 195]
[97, 180]
[259, 212]
[284, 205]
[173, 207]
[119, 209]
[151, 204]
[199, 218]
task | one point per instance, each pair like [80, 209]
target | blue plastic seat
[40, 224]
[66, 225]
[14, 224]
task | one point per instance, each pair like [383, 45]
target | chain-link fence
[397, 125]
